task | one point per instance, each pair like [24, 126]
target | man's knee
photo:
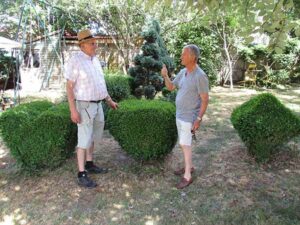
[185, 146]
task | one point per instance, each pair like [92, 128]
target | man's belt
[96, 101]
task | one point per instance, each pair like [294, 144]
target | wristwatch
[199, 118]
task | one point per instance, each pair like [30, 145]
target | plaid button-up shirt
[87, 74]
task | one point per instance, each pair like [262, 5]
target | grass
[229, 187]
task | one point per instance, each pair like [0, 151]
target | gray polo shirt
[189, 87]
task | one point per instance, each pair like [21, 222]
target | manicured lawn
[229, 187]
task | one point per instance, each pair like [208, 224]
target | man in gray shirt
[191, 103]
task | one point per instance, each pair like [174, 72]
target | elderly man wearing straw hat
[86, 89]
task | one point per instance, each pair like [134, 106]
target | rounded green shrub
[39, 134]
[118, 86]
[145, 129]
[264, 123]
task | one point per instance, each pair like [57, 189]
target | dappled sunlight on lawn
[3, 149]
[297, 91]
[17, 217]
[286, 96]
[227, 182]
[294, 107]
[3, 153]
[236, 92]
[4, 199]
[151, 221]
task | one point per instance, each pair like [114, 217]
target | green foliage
[148, 64]
[246, 54]
[169, 96]
[253, 53]
[278, 77]
[260, 51]
[7, 69]
[194, 33]
[292, 46]
[39, 134]
[275, 68]
[118, 85]
[144, 129]
[149, 91]
[165, 91]
[283, 61]
[4, 62]
[263, 123]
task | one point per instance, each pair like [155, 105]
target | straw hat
[84, 35]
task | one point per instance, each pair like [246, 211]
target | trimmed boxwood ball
[118, 86]
[12, 120]
[264, 123]
[39, 135]
[145, 129]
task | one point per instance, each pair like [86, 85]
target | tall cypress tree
[148, 64]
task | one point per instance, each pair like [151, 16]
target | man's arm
[75, 116]
[164, 72]
[204, 103]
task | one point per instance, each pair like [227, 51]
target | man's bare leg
[81, 159]
[187, 153]
[89, 153]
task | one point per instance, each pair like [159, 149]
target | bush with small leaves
[145, 129]
[147, 66]
[40, 135]
[118, 86]
[169, 96]
[264, 123]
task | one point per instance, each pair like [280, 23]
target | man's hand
[75, 116]
[113, 104]
[196, 125]
[164, 71]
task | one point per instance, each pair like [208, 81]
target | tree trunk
[228, 59]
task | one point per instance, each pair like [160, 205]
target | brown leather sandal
[184, 183]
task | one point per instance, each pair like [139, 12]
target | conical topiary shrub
[264, 123]
[146, 72]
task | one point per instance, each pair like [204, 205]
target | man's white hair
[194, 50]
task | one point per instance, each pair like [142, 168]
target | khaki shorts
[91, 127]
[184, 132]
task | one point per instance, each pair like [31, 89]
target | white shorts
[91, 127]
[184, 132]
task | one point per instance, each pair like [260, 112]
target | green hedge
[263, 123]
[145, 129]
[118, 86]
[39, 134]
